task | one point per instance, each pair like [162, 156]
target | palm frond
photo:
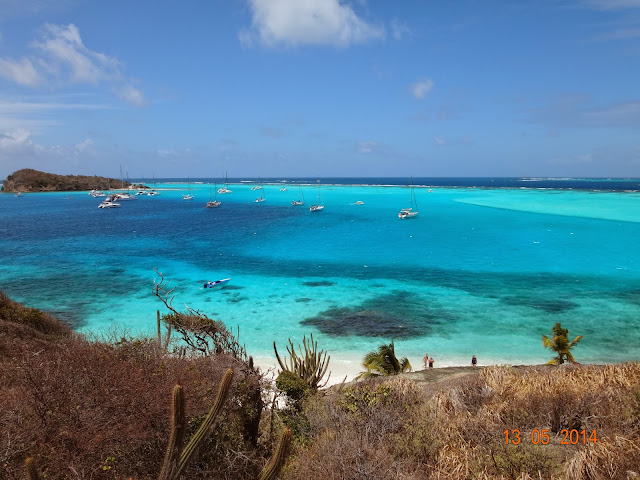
[575, 341]
[546, 342]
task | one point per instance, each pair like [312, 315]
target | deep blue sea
[487, 267]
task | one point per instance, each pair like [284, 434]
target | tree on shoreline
[384, 362]
[559, 343]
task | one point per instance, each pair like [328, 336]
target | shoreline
[346, 371]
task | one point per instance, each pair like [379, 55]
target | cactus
[177, 458]
[194, 443]
[32, 471]
[311, 367]
[176, 438]
[163, 345]
[271, 470]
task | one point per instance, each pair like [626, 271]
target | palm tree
[384, 362]
[559, 343]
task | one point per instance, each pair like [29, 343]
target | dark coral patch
[236, 298]
[342, 322]
[396, 315]
[548, 305]
[319, 283]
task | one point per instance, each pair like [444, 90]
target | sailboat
[261, 197]
[225, 189]
[213, 203]
[410, 212]
[318, 206]
[124, 195]
[258, 186]
[153, 192]
[188, 196]
[300, 200]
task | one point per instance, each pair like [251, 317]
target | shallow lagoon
[479, 271]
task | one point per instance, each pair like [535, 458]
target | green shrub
[292, 385]
[361, 398]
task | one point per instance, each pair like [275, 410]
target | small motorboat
[217, 283]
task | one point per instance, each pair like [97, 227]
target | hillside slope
[29, 180]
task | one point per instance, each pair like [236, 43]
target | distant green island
[29, 180]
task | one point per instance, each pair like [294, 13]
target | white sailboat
[261, 198]
[124, 195]
[213, 203]
[110, 201]
[188, 196]
[300, 200]
[319, 205]
[153, 191]
[412, 211]
[258, 186]
[225, 189]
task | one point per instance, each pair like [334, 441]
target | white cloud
[60, 58]
[39, 115]
[452, 142]
[575, 110]
[132, 95]
[366, 146]
[18, 150]
[19, 142]
[63, 47]
[20, 71]
[307, 22]
[420, 89]
[400, 30]
[84, 145]
[10, 141]
[273, 132]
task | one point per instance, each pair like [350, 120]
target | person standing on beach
[425, 360]
[474, 361]
[431, 362]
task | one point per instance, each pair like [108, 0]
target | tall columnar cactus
[32, 471]
[271, 469]
[311, 365]
[178, 424]
[205, 429]
[163, 344]
[177, 458]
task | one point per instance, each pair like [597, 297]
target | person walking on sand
[425, 360]
[431, 362]
[474, 361]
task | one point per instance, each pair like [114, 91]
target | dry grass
[457, 432]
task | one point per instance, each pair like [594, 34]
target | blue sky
[289, 88]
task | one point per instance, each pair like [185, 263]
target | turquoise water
[479, 271]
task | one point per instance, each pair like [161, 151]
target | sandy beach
[347, 368]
